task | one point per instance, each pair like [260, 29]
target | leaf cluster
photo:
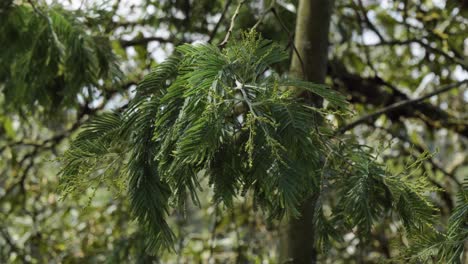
[49, 55]
[448, 245]
[227, 116]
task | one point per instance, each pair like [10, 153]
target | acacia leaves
[227, 116]
[49, 55]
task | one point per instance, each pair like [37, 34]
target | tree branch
[231, 27]
[371, 117]
[368, 22]
[223, 14]
[13, 247]
[373, 91]
[264, 13]
[143, 41]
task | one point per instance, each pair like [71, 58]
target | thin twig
[223, 14]
[231, 26]
[31, 2]
[368, 22]
[291, 39]
[262, 16]
[398, 105]
[144, 41]
[366, 48]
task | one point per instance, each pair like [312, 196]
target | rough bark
[311, 42]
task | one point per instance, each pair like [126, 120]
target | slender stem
[144, 41]
[368, 22]
[231, 27]
[291, 39]
[264, 13]
[223, 14]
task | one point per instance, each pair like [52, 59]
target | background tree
[59, 68]
[308, 63]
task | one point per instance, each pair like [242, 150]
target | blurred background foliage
[381, 52]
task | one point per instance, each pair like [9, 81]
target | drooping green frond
[158, 77]
[327, 229]
[359, 193]
[228, 116]
[366, 196]
[448, 246]
[95, 155]
[49, 55]
[149, 195]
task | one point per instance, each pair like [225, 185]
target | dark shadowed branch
[371, 117]
[143, 41]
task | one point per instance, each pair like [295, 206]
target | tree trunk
[311, 41]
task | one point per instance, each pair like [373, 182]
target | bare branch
[223, 14]
[371, 117]
[231, 27]
[373, 91]
[264, 13]
[142, 41]
[368, 22]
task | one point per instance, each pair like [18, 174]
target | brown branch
[368, 22]
[144, 41]
[457, 59]
[373, 91]
[223, 14]
[371, 117]
[264, 13]
[46, 145]
[231, 26]
[151, 21]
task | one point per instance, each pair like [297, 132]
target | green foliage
[358, 191]
[447, 246]
[48, 56]
[97, 155]
[414, 46]
[226, 115]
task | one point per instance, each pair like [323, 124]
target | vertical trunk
[311, 41]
